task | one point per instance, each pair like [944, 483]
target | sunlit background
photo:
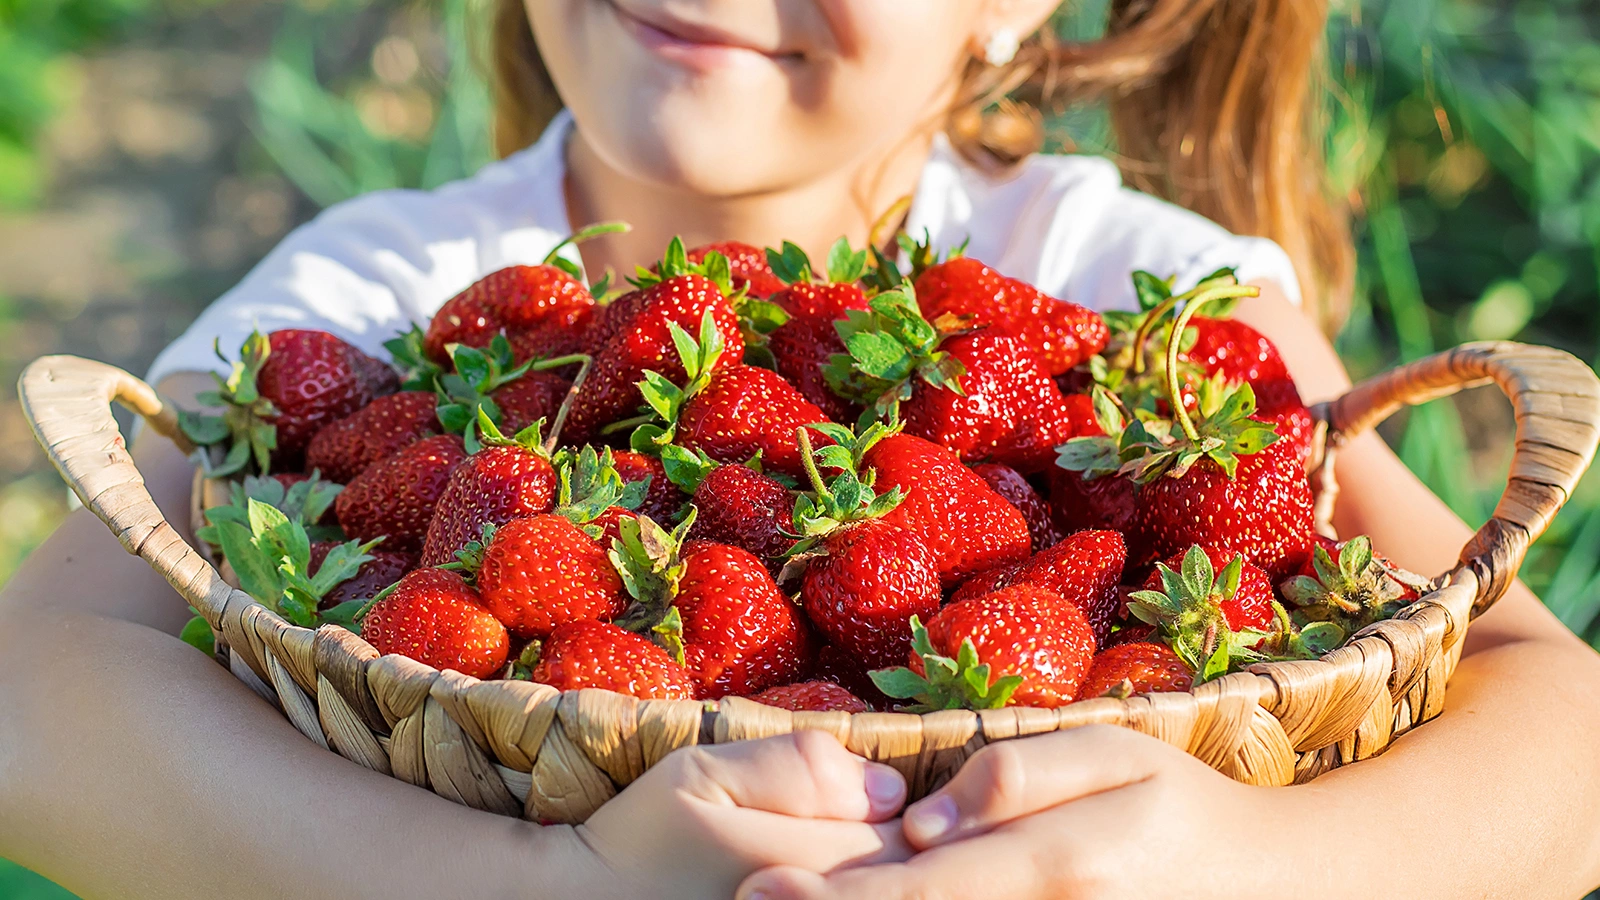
[152, 150]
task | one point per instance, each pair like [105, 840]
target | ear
[1020, 17]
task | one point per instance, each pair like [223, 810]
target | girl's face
[732, 97]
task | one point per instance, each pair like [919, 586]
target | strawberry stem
[556, 362]
[1192, 306]
[584, 234]
[808, 460]
[551, 442]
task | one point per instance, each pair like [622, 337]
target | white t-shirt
[367, 268]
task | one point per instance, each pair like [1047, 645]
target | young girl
[130, 766]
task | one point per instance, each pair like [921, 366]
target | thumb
[807, 774]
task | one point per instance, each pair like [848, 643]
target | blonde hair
[1216, 105]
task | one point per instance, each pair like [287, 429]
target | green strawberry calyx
[304, 503]
[834, 503]
[1353, 590]
[418, 372]
[890, 348]
[649, 559]
[246, 424]
[271, 555]
[675, 264]
[964, 682]
[663, 398]
[1187, 612]
[590, 484]
[469, 390]
[792, 266]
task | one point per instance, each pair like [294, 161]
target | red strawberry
[729, 413]
[543, 571]
[644, 342]
[873, 578]
[747, 263]
[742, 507]
[812, 696]
[835, 666]
[1350, 585]
[510, 478]
[1020, 646]
[803, 346]
[663, 499]
[590, 654]
[1082, 569]
[344, 449]
[534, 396]
[1138, 668]
[1062, 334]
[385, 568]
[1210, 617]
[1234, 349]
[395, 498]
[968, 527]
[545, 309]
[1262, 509]
[740, 633]
[1086, 490]
[433, 617]
[286, 387]
[1009, 483]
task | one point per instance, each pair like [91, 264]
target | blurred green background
[152, 150]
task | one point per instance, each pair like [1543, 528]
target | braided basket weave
[523, 749]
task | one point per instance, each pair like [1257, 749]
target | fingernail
[931, 818]
[885, 788]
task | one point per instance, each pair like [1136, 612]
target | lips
[687, 41]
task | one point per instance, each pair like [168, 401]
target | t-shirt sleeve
[1135, 231]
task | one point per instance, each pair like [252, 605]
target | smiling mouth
[690, 43]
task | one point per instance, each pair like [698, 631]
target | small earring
[1001, 48]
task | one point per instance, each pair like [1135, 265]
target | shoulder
[1068, 224]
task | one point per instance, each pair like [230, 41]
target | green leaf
[197, 633]
[900, 683]
[1150, 290]
[1216, 665]
[203, 429]
[790, 264]
[258, 573]
[846, 266]
[676, 260]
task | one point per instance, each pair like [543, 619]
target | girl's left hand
[1097, 811]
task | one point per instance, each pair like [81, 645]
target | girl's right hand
[705, 818]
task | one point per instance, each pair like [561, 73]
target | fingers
[1011, 779]
[808, 774]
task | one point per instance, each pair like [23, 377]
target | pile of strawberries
[846, 489]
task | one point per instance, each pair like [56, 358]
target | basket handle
[67, 401]
[1556, 399]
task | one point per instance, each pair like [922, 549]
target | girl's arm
[1496, 798]
[132, 766]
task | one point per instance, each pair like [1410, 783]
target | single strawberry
[1062, 334]
[802, 347]
[1350, 585]
[983, 394]
[864, 578]
[543, 571]
[590, 654]
[344, 449]
[681, 295]
[1082, 569]
[812, 696]
[714, 607]
[1087, 489]
[663, 499]
[383, 569]
[1213, 619]
[729, 413]
[739, 506]
[284, 388]
[1009, 483]
[510, 478]
[489, 380]
[746, 263]
[545, 309]
[967, 526]
[1136, 668]
[538, 572]
[395, 498]
[435, 618]
[1020, 646]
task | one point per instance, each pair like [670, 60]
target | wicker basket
[523, 749]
